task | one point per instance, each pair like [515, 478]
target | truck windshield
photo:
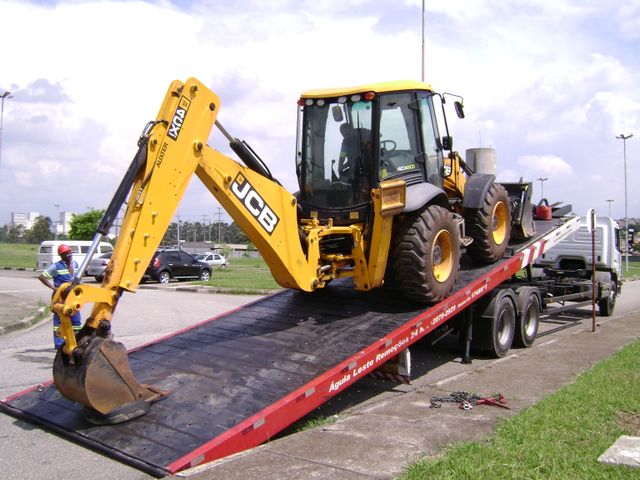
[335, 152]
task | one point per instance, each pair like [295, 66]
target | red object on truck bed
[238, 379]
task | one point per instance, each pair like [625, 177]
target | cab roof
[381, 87]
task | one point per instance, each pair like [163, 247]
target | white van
[48, 252]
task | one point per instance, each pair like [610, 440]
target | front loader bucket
[102, 380]
[522, 225]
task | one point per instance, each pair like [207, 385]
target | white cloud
[547, 84]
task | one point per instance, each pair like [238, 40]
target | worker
[349, 152]
[55, 275]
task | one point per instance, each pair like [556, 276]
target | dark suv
[168, 264]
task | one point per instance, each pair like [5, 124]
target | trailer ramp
[238, 379]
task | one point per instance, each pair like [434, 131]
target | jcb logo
[178, 118]
[253, 202]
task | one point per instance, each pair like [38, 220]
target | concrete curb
[25, 322]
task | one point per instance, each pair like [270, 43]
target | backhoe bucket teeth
[522, 225]
[102, 380]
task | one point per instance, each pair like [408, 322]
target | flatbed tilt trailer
[240, 378]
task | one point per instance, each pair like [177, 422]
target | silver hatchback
[97, 266]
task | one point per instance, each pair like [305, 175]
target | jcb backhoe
[383, 199]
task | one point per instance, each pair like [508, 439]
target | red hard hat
[62, 249]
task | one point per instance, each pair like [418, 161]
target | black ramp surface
[226, 370]
[223, 371]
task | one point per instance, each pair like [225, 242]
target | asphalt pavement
[376, 438]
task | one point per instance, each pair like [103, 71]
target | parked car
[212, 259]
[168, 264]
[97, 266]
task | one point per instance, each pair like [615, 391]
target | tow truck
[383, 211]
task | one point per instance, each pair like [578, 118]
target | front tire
[426, 256]
[607, 304]
[164, 277]
[205, 275]
[489, 225]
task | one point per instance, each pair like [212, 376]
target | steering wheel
[393, 144]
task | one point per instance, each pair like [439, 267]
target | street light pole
[542, 180]
[55, 224]
[4, 96]
[624, 139]
[610, 202]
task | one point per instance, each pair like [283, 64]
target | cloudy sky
[548, 84]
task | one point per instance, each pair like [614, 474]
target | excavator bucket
[522, 225]
[101, 379]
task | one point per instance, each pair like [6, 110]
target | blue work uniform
[59, 273]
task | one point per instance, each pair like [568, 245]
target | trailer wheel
[528, 316]
[426, 256]
[489, 225]
[608, 303]
[494, 332]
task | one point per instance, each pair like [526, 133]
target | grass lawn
[559, 438]
[18, 255]
[243, 275]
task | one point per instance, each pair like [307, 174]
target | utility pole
[624, 139]
[422, 77]
[178, 239]
[219, 220]
[204, 223]
[4, 96]
[55, 224]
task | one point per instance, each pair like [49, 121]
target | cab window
[399, 146]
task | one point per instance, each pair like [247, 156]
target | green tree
[15, 234]
[40, 231]
[83, 226]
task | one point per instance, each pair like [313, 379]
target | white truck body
[575, 251]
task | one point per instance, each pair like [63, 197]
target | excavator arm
[93, 369]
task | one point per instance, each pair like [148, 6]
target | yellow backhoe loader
[383, 199]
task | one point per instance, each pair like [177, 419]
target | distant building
[63, 224]
[24, 220]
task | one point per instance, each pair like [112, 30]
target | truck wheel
[528, 316]
[608, 303]
[494, 332]
[426, 256]
[489, 225]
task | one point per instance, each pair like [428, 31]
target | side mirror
[459, 108]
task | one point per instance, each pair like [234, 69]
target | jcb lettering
[254, 203]
[178, 119]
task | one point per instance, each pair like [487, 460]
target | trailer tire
[528, 302]
[489, 226]
[607, 304]
[425, 259]
[494, 331]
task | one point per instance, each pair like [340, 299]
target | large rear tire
[489, 225]
[493, 332]
[528, 316]
[425, 259]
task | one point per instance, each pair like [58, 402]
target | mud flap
[522, 225]
[99, 377]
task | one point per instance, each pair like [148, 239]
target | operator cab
[351, 140]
